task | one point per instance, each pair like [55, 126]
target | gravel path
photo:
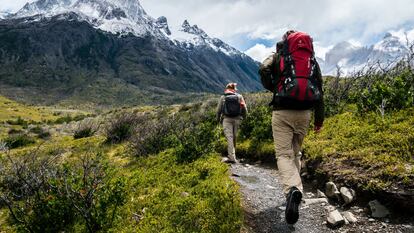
[264, 201]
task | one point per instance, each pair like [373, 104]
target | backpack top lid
[299, 41]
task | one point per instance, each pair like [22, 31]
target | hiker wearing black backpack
[230, 111]
[294, 77]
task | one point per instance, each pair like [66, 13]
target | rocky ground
[264, 202]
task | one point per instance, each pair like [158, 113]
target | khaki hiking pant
[289, 129]
[231, 126]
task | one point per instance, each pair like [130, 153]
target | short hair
[285, 36]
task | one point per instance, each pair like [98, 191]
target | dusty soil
[263, 203]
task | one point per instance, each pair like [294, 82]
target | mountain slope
[350, 57]
[116, 54]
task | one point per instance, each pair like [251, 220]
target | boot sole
[292, 207]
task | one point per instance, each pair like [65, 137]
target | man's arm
[267, 71]
[243, 107]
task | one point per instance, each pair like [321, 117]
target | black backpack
[231, 107]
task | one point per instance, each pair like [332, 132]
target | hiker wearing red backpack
[230, 111]
[294, 77]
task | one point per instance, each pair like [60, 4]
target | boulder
[378, 210]
[331, 190]
[320, 194]
[335, 219]
[350, 217]
[347, 194]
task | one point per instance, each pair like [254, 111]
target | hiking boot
[294, 198]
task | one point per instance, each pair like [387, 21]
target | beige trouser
[230, 126]
[289, 129]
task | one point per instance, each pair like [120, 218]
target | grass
[368, 151]
[162, 194]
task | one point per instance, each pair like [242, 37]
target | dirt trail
[263, 203]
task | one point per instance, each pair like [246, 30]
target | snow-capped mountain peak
[125, 17]
[350, 57]
[186, 27]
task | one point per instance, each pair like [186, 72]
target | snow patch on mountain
[125, 17]
[350, 56]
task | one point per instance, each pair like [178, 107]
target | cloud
[259, 52]
[328, 21]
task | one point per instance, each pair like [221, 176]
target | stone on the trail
[347, 194]
[310, 195]
[350, 217]
[320, 194]
[331, 190]
[224, 159]
[378, 210]
[335, 219]
[313, 201]
[330, 208]
[270, 187]
[346, 221]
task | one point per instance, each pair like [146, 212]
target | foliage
[388, 91]
[18, 121]
[40, 132]
[85, 129]
[43, 197]
[18, 140]
[121, 127]
[371, 151]
[182, 197]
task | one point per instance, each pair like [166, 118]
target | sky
[254, 26]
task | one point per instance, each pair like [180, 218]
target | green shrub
[183, 197]
[85, 129]
[122, 127]
[18, 121]
[43, 196]
[41, 132]
[387, 92]
[18, 140]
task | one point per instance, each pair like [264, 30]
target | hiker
[231, 110]
[294, 77]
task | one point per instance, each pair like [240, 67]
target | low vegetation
[153, 169]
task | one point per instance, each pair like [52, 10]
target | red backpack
[297, 86]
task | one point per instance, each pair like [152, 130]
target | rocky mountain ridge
[65, 50]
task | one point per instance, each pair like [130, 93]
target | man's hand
[317, 129]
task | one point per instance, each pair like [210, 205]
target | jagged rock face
[72, 51]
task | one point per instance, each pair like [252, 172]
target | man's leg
[228, 125]
[282, 128]
[301, 129]
[235, 129]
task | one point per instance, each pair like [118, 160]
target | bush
[85, 129]
[153, 136]
[258, 124]
[197, 139]
[122, 127]
[44, 197]
[41, 133]
[393, 90]
[18, 121]
[18, 140]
